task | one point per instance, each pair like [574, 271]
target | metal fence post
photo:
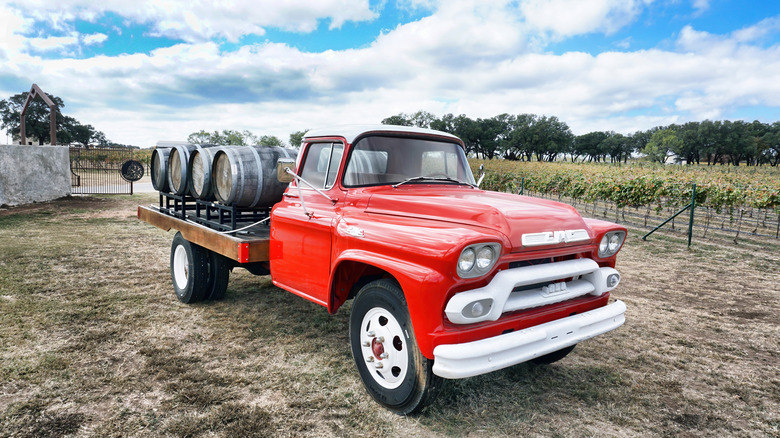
[690, 222]
[692, 206]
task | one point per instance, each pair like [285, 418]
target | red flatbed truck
[448, 280]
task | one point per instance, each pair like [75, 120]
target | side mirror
[281, 164]
[481, 174]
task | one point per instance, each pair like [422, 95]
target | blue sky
[144, 71]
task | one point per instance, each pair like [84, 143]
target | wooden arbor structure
[36, 91]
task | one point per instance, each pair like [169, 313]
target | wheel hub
[180, 267]
[384, 348]
[377, 348]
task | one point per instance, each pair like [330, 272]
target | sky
[143, 71]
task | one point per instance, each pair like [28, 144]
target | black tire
[219, 274]
[189, 270]
[403, 379]
[555, 356]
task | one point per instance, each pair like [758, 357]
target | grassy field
[94, 343]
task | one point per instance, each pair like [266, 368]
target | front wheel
[390, 364]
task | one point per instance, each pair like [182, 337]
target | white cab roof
[351, 132]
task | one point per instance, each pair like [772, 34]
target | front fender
[422, 287]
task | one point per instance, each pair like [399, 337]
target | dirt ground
[94, 343]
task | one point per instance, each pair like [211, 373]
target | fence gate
[97, 170]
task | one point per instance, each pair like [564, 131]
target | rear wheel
[189, 270]
[555, 356]
[219, 274]
[390, 364]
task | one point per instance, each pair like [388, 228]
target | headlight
[479, 259]
[611, 243]
[466, 260]
[485, 258]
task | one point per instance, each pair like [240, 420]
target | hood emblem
[354, 231]
[555, 237]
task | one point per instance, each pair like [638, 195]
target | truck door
[302, 239]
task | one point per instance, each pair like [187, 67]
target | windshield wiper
[432, 178]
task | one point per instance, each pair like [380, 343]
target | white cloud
[624, 44]
[12, 25]
[53, 43]
[701, 6]
[200, 21]
[565, 18]
[765, 27]
[95, 38]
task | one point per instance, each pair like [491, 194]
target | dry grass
[94, 343]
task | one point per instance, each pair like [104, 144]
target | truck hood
[512, 215]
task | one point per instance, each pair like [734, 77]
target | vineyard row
[723, 190]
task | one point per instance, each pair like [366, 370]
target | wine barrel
[160, 168]
[245, 176]
[199, 179]
[178, 166]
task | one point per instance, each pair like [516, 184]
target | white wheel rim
[180, 267]
[379, 327]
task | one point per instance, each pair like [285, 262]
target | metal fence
[104, 170]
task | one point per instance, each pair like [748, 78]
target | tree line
[242, 138]
[530, 137]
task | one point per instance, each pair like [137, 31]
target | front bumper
[549, 283]
[456, 361]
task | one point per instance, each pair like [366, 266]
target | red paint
[243, 252]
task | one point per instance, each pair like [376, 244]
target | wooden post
[36, 91]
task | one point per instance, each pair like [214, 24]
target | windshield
[378, 160]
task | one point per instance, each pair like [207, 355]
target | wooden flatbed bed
[244, 249]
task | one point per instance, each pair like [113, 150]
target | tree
[296, 138]
[469, 131]
[589, 145]
[771, 153]
[738, 143]
[201, 137]
[691, 146]
[398, 119]
[270, 140]
[551, 137]
[420, 119]
[519, 141]
[617, 146]
[37, 121]
[640, 139]
[423, 119]
[709, 135]
[446, 124]
[100, 139]
[490, 134]
[661, 144]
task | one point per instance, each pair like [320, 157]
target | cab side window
[321, 164]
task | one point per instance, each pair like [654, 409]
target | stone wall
[33, 173]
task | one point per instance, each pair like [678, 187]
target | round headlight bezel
[470, 258]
